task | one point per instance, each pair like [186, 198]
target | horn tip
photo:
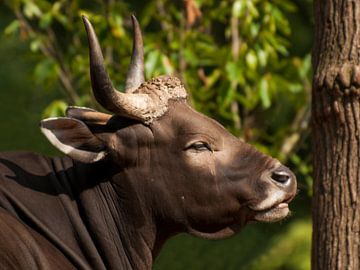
[86, 21]
[134, 20]
[84, 17]
[87, 24]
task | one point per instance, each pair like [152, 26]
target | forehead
[185, 120]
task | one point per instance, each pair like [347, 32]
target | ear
[73, 138]
[87, 115]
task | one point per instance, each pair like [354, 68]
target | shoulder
[23, 248]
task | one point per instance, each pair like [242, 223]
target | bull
[131, 180]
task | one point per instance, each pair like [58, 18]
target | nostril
[281, 177]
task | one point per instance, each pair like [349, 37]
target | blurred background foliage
[245, 63]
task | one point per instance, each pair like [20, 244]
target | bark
[336, 135]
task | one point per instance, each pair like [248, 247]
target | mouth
[272, 214]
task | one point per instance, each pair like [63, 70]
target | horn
[130, 105]
[135, 75]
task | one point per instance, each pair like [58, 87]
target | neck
[121, 222]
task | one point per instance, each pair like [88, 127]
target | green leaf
[45, 20]
[35, 45]
[31, 10]
[151, 62]
[262, 57]
[296, 87]
[251, 60]
[282, 49]
[264, 93]
[238, 8]
[233, 72]
[252, 9]
[117, 28]
[56, 7]
[213, 77]
[306, 67]
[55, 109]
[169, 69]
[13, 27]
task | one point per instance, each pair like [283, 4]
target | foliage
[254, 248]
[235, 57]
[295, 243]
[21, 101]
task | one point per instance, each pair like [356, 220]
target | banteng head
[184, 168]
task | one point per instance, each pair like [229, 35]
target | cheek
[208, 191]
[198, 160]
[201, 168]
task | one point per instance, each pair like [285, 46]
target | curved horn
[130, 105]
[103, 89]
[135, 75]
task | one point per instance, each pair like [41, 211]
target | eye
[199, 147]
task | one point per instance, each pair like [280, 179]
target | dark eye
[200, 147]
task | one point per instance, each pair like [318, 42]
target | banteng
[131, 180]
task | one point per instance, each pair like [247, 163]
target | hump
[30, 162]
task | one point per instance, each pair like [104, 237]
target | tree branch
[48, 48]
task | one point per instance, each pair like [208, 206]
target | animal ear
[73, 138]
[87, 115]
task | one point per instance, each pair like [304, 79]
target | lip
[275, 212]
[281, 205]
[272, 214]
[280, 202]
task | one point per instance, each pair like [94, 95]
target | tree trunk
[336, 135]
